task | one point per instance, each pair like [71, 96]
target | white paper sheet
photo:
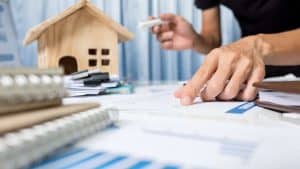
[153, 125]
[159, 101]
[202, 145]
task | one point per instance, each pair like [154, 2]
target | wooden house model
[82, 37]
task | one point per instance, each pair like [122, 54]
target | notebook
[281, 96]
[26, 89]
[33, 120]
[20, 149]
[14, 122]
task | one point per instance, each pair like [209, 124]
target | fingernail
[186, 100]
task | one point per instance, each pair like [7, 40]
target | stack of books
[34, 122]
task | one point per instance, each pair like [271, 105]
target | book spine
[21, 149]
[25, 86]
[26, 89]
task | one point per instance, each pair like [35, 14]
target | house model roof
[37, 31]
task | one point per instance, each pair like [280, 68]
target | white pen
[151, 23]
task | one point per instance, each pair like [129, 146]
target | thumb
[151, 17]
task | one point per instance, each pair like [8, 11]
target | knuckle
[233, 55]
[214, 89]
[224, 48]
[249, 96]
[216, 51]
[211, 58]
[227, 96]
[247, 62]
[214, 54]
[230, 93]
[230, 57]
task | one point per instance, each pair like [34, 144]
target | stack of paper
[92, 83]
[77, 88]
[280, 98]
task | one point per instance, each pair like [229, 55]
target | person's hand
[176, 34]
[228, 73]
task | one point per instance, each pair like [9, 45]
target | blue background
[141, 59]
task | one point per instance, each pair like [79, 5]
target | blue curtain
[141, 59]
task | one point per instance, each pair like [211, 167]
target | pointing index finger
[199, 80]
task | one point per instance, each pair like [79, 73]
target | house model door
[69, 64]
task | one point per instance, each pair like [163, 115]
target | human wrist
[196, 42]
[264, 47]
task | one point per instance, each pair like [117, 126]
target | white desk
[158, 100]
[154, 126]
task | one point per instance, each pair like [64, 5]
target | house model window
[92, 51]
[105, 62]
[92, 62]
[105, 52]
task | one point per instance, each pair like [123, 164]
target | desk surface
[158, 100]
[154, 126]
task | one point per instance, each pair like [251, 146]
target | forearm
[210, 36]
[205, 43]
[281, 48]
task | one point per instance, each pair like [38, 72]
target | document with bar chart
[156, 132]
[176, 145]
